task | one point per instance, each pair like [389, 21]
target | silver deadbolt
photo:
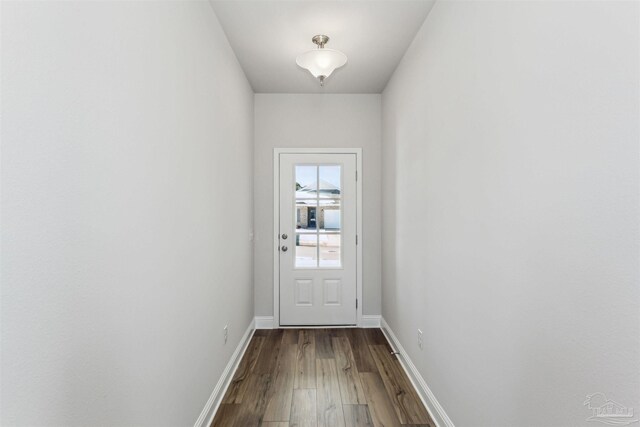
[284, 237]
[284, 249]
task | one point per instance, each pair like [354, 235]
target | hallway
[180, 179]
[320, 377]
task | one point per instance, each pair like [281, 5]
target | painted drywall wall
[316, 121]
[510, 208]
[127, 134]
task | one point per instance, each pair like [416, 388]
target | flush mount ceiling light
[321, 62]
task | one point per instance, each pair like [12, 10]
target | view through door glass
[318, 216]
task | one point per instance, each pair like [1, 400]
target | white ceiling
[267, 35]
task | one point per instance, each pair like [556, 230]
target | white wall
[316, 121]
[511, 207]
[126, 207]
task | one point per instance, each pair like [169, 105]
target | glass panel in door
[318, 216]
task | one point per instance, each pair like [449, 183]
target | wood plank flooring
[318, 378]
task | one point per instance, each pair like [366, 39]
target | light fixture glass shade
[321, 62]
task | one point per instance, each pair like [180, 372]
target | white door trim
[276, 222]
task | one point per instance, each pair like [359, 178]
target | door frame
[276, 224]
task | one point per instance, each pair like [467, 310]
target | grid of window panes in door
[318, 197]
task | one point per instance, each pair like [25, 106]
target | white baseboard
[367, 321]
[370, 321]
[436, 411]
[264, 322]
[206, 416]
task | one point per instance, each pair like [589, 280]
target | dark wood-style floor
[320, 378]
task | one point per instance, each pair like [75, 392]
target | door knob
[284, 249]
[284, 237]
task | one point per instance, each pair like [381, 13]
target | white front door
[317, 237]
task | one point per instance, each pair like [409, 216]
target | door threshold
[317, 326]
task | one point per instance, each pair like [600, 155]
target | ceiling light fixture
[321, 62]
